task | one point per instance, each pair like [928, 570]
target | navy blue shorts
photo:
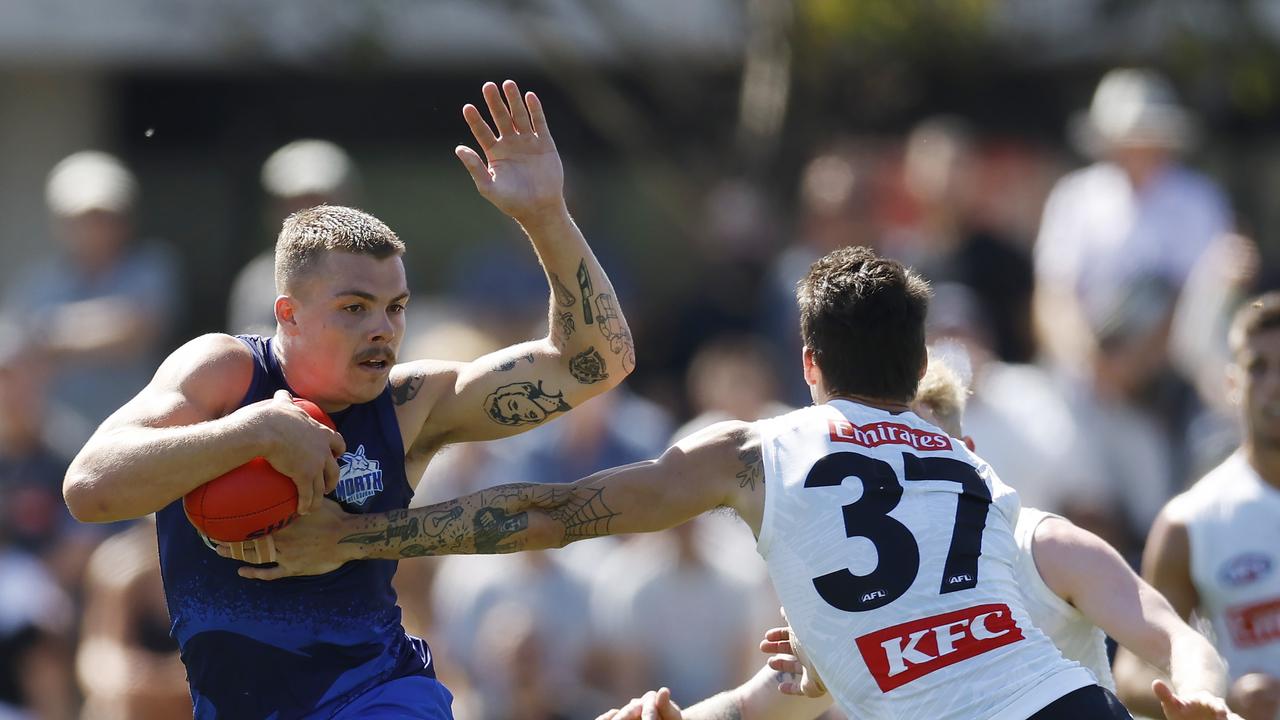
[1093, 702]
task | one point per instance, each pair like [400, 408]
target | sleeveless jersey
[892, 550]
[300, 646]
[1232, 518]
[1074, 634]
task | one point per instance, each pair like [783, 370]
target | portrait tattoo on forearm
[493, 527]
[406, 388]
[564, 296]
[584, 284]
[511, 364]
[618, 335]
[523, 403]
[588, 367]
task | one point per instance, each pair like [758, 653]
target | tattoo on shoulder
[511, 364]
[584, 284]
[618, 334]
[752, 467]
[564, 296]
[406, 388]
[588, 367]
[523, 403]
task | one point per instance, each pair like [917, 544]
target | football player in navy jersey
[332, 645]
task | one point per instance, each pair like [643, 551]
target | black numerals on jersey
[898, 553]
[899, 556]
[961, 570]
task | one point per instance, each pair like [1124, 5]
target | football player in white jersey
[1074, 584]
[890, 544]
[1215, 549]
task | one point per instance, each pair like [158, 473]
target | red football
[250, 501]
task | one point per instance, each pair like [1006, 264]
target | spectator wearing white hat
[102, 307]
[299, 175]
[1131, 225]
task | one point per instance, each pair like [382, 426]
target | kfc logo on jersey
[902, 653]
[1256, 624]
[885, 433]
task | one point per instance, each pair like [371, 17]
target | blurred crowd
[1087, 311]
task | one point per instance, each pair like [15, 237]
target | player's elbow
[82, 491]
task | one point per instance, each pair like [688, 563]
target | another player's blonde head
[943, 394]
[308, 234]
[1259, 314]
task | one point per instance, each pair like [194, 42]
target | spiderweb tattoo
[583, 513]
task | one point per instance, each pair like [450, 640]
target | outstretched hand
[655, 705]
[786, 656]
[1200, 705]
[521, 172]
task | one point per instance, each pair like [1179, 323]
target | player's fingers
[284, 395]
[650, 706]
[337, 444]
[667, 709]
[479, 128]
[519, 114]
[258, 573]
[318, 489]
[477, 168]
[306, 488]
[237, 551]
[538, 118]
[790, 687]
[609, 714]
[785, 663]
[331, 474]
[498, 109]
[265, 548]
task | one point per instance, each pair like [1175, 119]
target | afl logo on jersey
[359, 478]
[1245, 568]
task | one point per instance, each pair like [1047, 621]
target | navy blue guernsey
[294, 647]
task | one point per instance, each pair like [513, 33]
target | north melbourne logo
[902, 653]
[359, 478]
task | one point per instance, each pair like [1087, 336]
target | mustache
[377, 353]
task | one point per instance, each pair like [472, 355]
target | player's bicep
[505, 393]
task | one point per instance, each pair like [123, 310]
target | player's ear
[286, 313]
[968, 442]
[1235, 383]
[812, 373]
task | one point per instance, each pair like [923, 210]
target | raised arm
[1085, 571]
[588, 347]
[185, 428]
[717, 467]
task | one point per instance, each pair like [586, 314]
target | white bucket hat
[1133, 107]
[90, 180]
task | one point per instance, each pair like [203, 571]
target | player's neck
[892, 406]
[1265, 461]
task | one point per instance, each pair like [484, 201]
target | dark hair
[308, 234]
[863, 317]
[1256, 315]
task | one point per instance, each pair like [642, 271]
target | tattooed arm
[720, 466]
[587, 349]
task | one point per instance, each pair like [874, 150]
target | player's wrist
[548, 217]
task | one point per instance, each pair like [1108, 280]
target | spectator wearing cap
[299, 175]
[102, 307]
[1119, 238]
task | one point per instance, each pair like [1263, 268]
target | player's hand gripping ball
[250, 501]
